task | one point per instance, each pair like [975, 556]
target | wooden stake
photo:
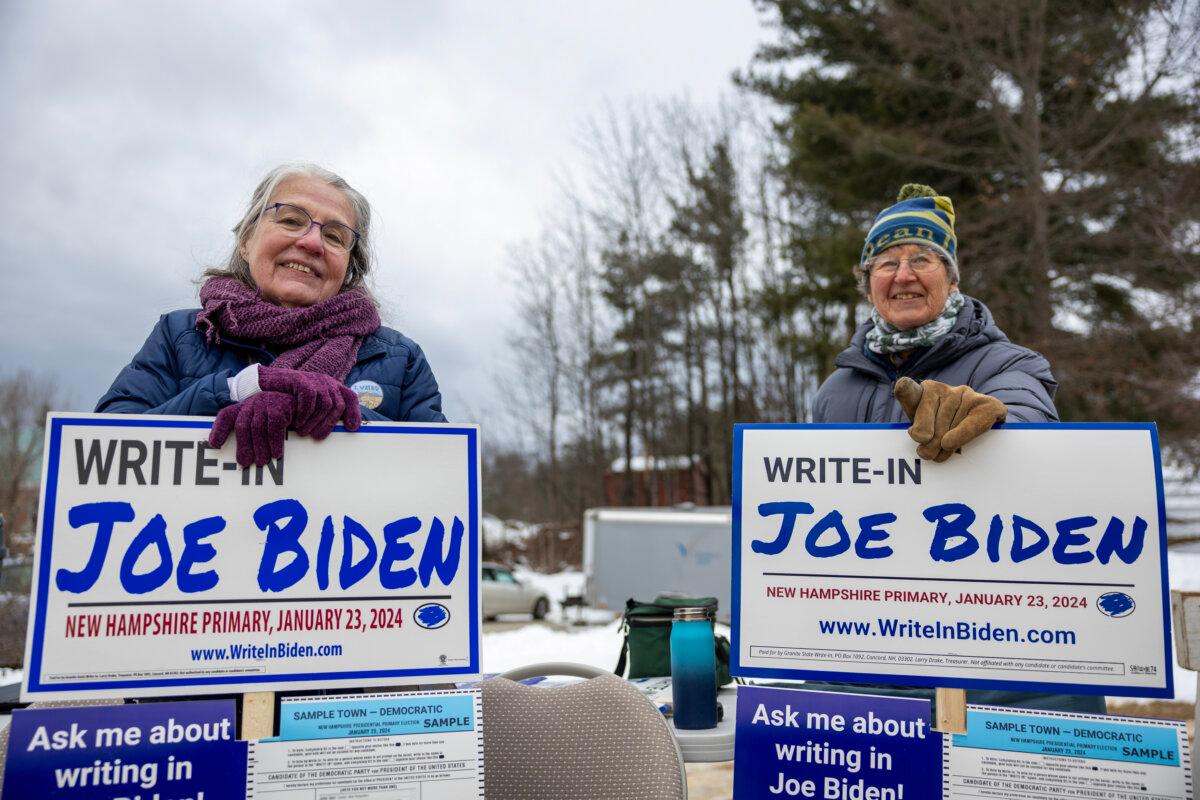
[951, 710]
[258, 715]
[1185, 608]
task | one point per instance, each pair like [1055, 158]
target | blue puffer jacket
[177, 372]
[975, 353]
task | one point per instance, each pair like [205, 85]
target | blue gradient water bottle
[693, 670]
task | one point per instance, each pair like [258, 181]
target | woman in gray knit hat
[929, 353]
[935, 356]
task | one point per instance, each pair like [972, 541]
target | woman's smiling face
[299, 271]
[908, 298]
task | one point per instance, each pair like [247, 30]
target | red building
[665, 481]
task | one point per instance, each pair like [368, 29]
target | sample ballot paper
[394, 746]
[1016, 754]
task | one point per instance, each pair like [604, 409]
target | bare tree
[25, 399]
[537, 347]
[581, 340]
[628, 211]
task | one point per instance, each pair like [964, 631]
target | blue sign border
[736, 668]
[34, 668]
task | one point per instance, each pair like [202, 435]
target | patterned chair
[599, 739]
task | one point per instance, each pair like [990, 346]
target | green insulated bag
[647, 645]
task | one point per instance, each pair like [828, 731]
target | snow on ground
[598, 645]
[556, 586]
[497, 532]
[563, 584]
[1183, 567]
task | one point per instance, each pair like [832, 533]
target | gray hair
[862, 274]
[361, 260]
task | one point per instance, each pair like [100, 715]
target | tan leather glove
[944, 418]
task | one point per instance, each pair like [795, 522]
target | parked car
[504, 594]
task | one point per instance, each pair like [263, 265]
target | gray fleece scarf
[887, 338]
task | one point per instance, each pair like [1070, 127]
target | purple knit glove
[320, 400]
[261, 424]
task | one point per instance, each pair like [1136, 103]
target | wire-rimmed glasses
[296, 222]
[920, 263]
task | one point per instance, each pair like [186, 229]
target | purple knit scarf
[324, 337]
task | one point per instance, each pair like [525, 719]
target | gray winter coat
[975, 353]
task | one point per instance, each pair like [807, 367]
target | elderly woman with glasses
[929, 352]
[937, 357]
[288, 336]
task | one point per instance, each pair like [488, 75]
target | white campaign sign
[163, 568]
[1033, 560]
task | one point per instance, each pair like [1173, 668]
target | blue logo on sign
[1115, 604]
[432, 615]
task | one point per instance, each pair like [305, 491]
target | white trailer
[644, 552]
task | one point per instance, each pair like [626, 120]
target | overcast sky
[133, 133]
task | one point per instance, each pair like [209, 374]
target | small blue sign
[794, 743]
[164, 750]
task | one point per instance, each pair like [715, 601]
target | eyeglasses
[920, 263]
[296, 222]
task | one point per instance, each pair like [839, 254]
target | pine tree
[1064, 132]
[710, 227]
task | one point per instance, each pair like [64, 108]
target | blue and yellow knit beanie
[920, 216]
